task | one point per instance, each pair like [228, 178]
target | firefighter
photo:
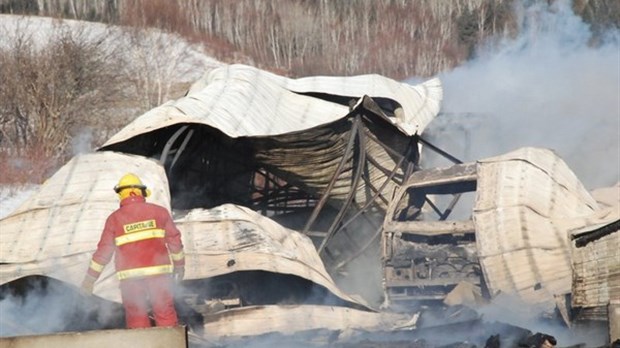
[148, 255]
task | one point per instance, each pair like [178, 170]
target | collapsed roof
[242, 150]
[243, 101]
[321, 155]
[55, 232]
[247, 159]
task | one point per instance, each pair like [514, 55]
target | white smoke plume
[550, 87]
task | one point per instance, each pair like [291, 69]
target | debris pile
[307, 218]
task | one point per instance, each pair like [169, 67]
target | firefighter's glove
[179, 273]
[88, 284]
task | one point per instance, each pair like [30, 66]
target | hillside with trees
[52, 92]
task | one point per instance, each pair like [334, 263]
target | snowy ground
[146, 50]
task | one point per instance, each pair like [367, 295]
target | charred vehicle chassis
[426, 252]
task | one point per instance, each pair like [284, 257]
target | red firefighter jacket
[143, 239]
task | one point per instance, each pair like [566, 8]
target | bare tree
[53, 87]
[155, 62]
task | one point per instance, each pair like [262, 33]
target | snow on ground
[167, 55]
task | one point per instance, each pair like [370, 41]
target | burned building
[304, 198]
[271, 181]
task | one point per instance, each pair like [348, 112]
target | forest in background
[395, 38]
[51, 94]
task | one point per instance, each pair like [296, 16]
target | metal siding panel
[597, 272]
[253, 321]
[67, 214]
[230, 232]
[522, 247]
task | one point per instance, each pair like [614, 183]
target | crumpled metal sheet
[55, 232]
[290, 319]
[596, 265]
[241, 100]
[522, 249]
[231, 238]
[67, 214]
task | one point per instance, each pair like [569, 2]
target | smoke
[82, 142]
[512, 310]
[554, 86]
[42, 305]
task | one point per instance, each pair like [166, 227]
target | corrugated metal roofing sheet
[597, 272]
[596, 276]
[522, 248]
[55, 232]
[253, 321]
[242, 100]
[68, 212]
[231, 238]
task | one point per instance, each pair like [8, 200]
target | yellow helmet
[131, 184]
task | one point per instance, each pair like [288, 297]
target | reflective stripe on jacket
[143, 239]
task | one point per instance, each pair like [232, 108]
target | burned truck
[426, 253]
[497, 224]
